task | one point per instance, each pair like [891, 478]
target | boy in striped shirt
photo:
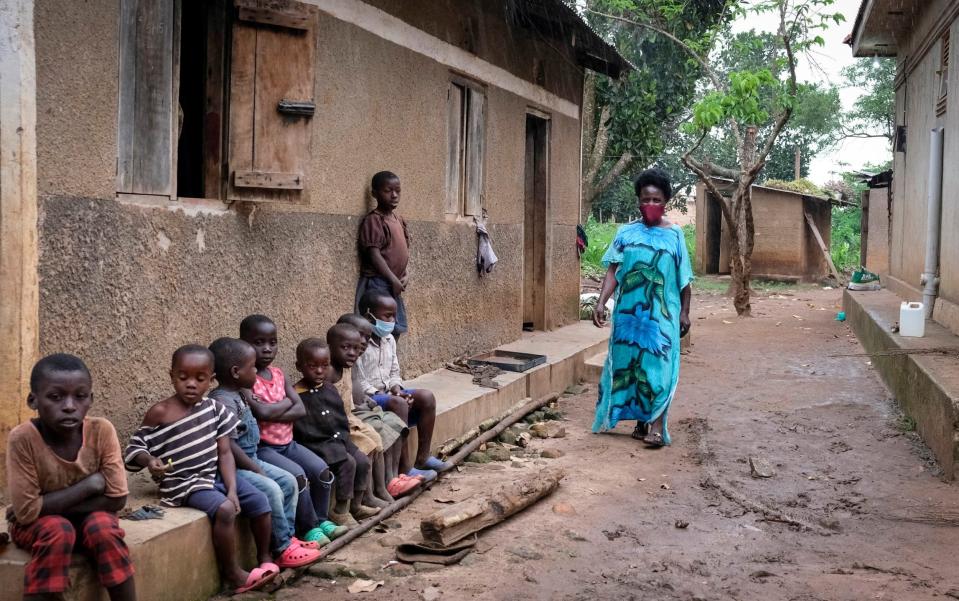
[184, 442]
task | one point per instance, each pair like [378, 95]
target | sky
[853, 153]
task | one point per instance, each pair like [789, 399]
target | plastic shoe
[297, 556]
[311, 544]
[331, 530]
[316, 535]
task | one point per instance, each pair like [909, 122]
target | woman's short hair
[656, 178]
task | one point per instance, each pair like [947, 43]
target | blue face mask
[383, 328]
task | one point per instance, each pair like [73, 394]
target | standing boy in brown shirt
[384, 246]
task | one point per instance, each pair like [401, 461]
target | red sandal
[296, 556]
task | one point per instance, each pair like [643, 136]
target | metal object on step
[508, 360]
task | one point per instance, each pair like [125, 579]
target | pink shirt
[273, 391]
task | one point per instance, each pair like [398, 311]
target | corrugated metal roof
[555, 18]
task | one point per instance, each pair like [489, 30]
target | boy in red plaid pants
[66, 479]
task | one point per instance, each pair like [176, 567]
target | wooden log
[450, 446]
[458, 521]
[492, 433]
[822, 245]
[399, 504]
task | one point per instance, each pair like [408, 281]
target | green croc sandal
[316, 535]
[331, 530]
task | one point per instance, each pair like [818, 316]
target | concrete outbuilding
[786, 246]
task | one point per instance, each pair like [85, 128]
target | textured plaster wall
[124, 285]
[77, 54]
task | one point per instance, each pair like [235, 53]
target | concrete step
[174, 556]
[594, 367]
[925, 385]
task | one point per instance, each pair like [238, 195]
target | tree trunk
[741, 266]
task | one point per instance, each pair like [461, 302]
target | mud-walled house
[170, 166]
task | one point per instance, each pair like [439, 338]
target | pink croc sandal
[402, 485]
[296, 556]
[311, 544]
[258, 578]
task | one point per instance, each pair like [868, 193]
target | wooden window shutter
[475, 152]
[271, 99]
[456, 134]
[943, 96]
[148, 105]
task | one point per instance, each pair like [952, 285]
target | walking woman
[648, 269]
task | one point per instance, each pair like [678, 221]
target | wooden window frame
[148, 134]
[467, 124]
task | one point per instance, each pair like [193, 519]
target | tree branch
[692, 53]
[601, 141]
[624, 163]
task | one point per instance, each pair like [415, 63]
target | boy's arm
[227, 468]
[379, 263]
[396, 382]
[67, 500]
[83, 497]
[242, 460]
[362, 383]
[298, 409]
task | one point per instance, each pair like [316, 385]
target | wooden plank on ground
[822, 245]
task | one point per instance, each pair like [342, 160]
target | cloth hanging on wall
[485, 257]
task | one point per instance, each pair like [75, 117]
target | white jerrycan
[912, 319]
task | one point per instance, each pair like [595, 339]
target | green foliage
[600, 236]
[645, 106]
[873, 114]
[802, 186]
[689, 233]
[845, 238]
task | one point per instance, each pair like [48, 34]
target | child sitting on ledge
[378, 376]
[66, 483]
[185, 443]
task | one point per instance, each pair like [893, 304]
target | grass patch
[600, 236]
[845, 238]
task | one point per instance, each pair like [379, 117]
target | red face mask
[652, 212]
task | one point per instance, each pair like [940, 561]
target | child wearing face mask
[378, 376]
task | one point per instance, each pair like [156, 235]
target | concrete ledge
[926, 386]
[174, 556]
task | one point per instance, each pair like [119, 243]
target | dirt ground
[881, 524]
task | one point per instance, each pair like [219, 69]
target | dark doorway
[535, 223]
[714, 234]
[203, 38]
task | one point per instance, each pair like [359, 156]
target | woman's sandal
[654, 439]
[640, 431]
[297, 556]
